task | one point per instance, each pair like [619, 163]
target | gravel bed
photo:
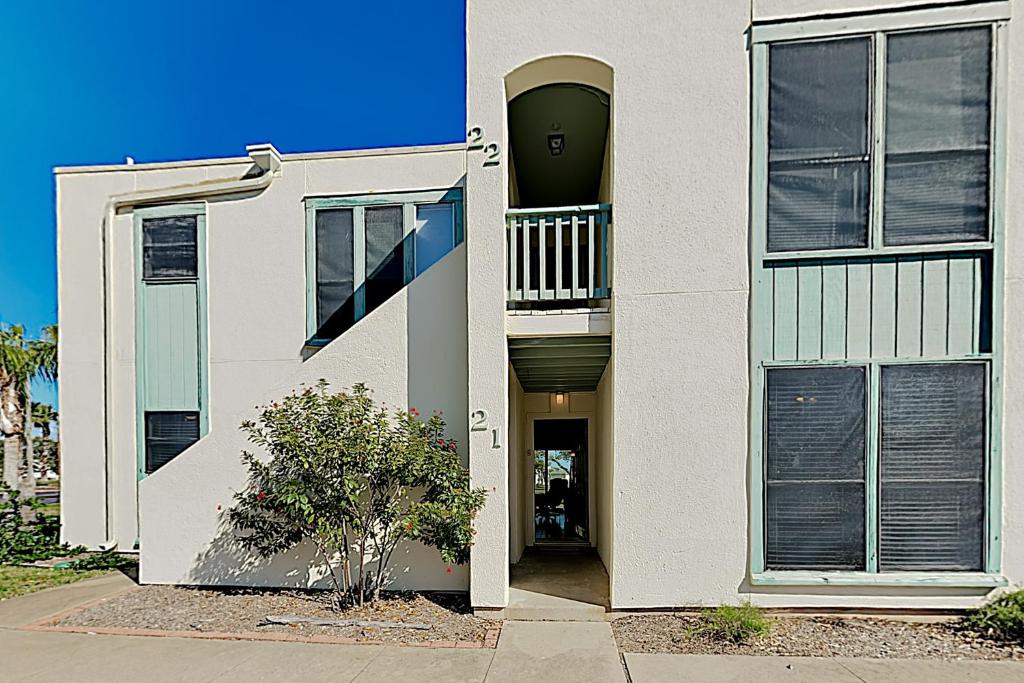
[174, 608]
[814, 637]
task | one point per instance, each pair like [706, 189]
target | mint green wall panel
[934, 306]
[960, 338]
[888, 307]
[908, 307]
[833, 309]
[858, 321]
[883, 308]
[784, 297]
[171, 348]
[809, 311]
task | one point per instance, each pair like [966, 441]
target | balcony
[558, 255]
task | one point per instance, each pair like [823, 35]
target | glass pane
[937, 136]
[818, 145]
[821, 206]
[169, 247]
[334, 268]
[385, 254]
[435, 234]
[932, 467]
[818, 99]
[168, 434]
[815, 526]
[815, 468]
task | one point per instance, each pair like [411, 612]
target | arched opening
[558, 137]
[560, 132]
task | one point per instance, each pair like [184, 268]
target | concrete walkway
[731, 668]
[563, 584]
[538, 651]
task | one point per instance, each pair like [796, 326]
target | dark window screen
[334, 267]
[169, 248]
[937, 136]
[168, 433]
[815, 468]
[932, 468]
[385, 254]
[818, 160]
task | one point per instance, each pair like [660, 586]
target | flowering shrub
[356, 481]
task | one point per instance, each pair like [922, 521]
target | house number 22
[478, 423]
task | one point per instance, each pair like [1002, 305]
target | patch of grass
[1000, 619]
[51, 510]
[732, 623]
[15, 581]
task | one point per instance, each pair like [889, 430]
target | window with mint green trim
[361, 250]
[897, 122]
[171, 347]
[877, 211]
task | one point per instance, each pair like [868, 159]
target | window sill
[318, 342]
[880, 251]
[940, 579]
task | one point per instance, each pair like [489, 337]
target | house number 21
[478, 423]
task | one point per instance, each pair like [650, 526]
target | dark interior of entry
[558, 134]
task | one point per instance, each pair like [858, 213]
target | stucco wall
[411, 351]
[681, 148]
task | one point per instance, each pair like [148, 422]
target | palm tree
[44, 417]
[21, 360]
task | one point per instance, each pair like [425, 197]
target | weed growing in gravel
[732, 623]
[1000, 619]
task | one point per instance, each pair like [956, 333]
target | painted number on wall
[478, 423]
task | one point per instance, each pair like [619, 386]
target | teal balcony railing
[559, 254]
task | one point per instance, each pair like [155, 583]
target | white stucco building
[731, 292]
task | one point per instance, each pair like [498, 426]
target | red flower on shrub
[261, 496]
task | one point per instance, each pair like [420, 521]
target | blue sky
[93, 82]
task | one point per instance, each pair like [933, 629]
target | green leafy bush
[356, 481]
[28, 541]
[1000, 619]
[107, 559]
[732, 623]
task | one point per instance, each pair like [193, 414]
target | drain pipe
[266, 166]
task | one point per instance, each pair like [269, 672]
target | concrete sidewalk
[645, 668]
[563, 652]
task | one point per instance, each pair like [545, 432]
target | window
[932, 467]
[168, 434]
[818, 177]
[385, 257]
[365, 249]
[931, 458]
[877, 269]
[932, 144]
[169, 248]
[937, 137]
[815, 468]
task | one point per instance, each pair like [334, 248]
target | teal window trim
[994, 15]
[140, 214]
[359, 203]
[873, 20]
[936, 579]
